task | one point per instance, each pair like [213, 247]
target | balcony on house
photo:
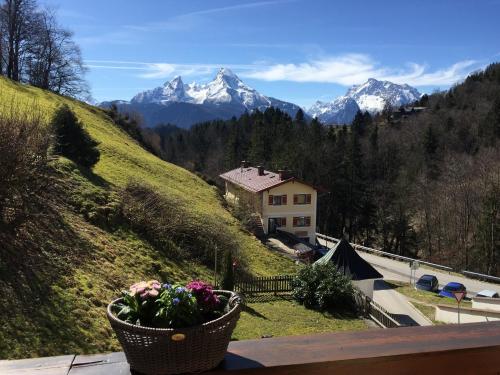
[447, 349]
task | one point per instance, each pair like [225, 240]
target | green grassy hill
[54, 287]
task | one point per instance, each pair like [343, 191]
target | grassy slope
[80, 266]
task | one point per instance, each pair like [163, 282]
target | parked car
[428, 282]
[488, 294]
[449, 288]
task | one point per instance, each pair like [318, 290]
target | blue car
[448, 290]
[428, 282]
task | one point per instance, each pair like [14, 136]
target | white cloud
[419, 76]
[345, 70]
[352, 69]
[188, 20]
[162, 69]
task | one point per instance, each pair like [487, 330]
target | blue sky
[295, 50]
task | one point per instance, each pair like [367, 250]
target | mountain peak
[370, 96]
[176, 82]
[226, 75]
[176, 79]
[373, 95]
[226, 72]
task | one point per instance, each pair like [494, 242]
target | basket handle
[235, 299]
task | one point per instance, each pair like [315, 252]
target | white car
[487, 293]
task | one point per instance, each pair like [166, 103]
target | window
[302, 199]
[277, 200]
[302, 221]
[280, 221]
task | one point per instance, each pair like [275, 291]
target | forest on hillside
[422, 184]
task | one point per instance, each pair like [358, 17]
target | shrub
[172, 226]
[324, 287]
[24, 169]
[72, 140]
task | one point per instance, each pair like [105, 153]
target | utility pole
[215, 268]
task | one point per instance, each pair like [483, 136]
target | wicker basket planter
[156, 351]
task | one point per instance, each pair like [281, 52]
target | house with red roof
[279, 200]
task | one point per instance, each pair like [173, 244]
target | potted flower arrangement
[172, 328]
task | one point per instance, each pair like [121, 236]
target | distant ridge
[370, 96]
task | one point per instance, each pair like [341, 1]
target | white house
[280, 201]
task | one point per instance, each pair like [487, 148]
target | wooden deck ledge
[458, 349]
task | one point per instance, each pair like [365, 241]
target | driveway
[398, 305]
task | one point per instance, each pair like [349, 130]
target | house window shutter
[283, 199]
[307, 221]
[283, 222]
[295, 199]
[308, 198]
[270, 200]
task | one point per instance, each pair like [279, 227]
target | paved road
[396, 270]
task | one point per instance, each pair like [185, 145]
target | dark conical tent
[349, 262]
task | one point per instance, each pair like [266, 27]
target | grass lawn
[424, 300]
[287, 318]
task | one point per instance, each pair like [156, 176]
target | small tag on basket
[178, 337]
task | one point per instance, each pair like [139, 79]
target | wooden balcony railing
[448, 349]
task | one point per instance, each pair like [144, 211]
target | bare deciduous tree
[35, 49]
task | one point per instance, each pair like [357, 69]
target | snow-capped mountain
[372, 95]
[185, 104]
[341, 111]
[225, 88]
[173, 91]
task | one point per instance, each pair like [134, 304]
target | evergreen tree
[299, 116]
[72, 140]
[228, 277]
[424, 101]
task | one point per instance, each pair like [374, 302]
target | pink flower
[138, 288]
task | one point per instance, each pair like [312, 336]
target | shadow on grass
[343, 313]
[268, 297]
[253, 312]
[38, 312]
[92, 177]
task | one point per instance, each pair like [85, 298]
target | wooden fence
[369, 308]
[260, 285]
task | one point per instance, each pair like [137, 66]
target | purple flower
[175, 301]
[180, 289]
[167, 286]
[204, 294]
